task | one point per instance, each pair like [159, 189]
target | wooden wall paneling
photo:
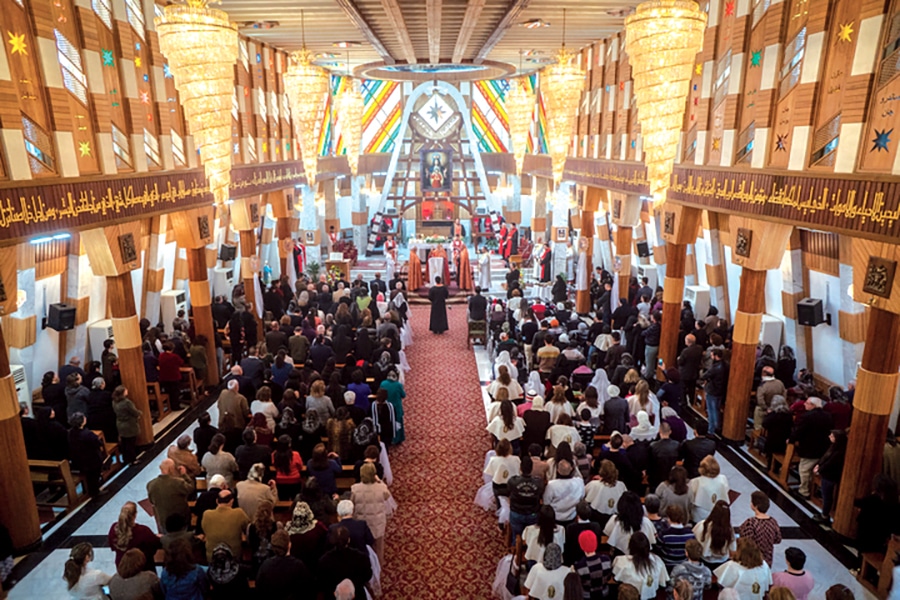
[108, 106]
[821, 251]
[852, 326]
[884, 101]
[246, 125]
[722, 61]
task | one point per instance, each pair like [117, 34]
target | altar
[424, 248]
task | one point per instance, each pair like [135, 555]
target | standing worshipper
[545, 260]
[395, 396]
[438, 296]
[484, 269]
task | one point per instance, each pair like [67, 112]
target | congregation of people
[256, 501]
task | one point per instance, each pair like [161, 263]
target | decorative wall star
[846, 32]
[167, 71]
[698, 69]
[108, 58]
[716, 143]
[237, 148]
[84, 148]
[145, 97]
[781, 143]
[137, 61]
[622, 85]
[756, 58]
[729, 8]
[265, 146]
[18, 43]
[881, 141]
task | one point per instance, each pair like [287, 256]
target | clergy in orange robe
[415, 270]
[464, 270]
[438, 250]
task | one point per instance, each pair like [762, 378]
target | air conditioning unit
[390, 211]
[223, 281]
[770, 331]
[648, 271]
[99, 332]
[170, 303]
[21, 383]
[698, 296]
[481, 211]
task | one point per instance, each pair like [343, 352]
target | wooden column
[193, 231]
[18, 509]
[114, 252]
[589, 205]
[757, 247]
[245, 217]
[876, 380]
[282, 208]
[680, 225]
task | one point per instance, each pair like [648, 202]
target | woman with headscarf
[395, 396]
[52, 438]
[778, 423]
[341, 343]
[308, 535]
[370, 498]
[381, 303]
[226, 576]
[535, 384]
[786, 367]
[559, 288]
[504, 359]
[547, 579]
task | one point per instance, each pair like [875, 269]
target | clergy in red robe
[438, 250]
[415, 270]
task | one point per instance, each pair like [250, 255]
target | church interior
[480, 226]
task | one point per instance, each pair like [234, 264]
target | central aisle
[439, 544]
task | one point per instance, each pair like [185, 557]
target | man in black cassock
[438, 296]
[546, 257]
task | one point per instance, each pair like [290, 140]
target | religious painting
[309, 238]
[437, 171]
[560, 234]
[617, 208]
[879, 279]
[669, 223]
[127, 249]
[3, 296]
[579, 198]
[203, 226]
[254, 213]
[742, 242]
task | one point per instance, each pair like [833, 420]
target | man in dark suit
[615, 412]
[689, 362]
[344, 562]
[615, 352]
[85, 451]
[573, 552]
[695, 450]
[377, 286]
[664, 454]
[253, 367]
[276, 339]
[477, 306]
[360, 534]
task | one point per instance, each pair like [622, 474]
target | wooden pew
[56, 474]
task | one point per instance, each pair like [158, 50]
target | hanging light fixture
[306, 85]
[350, 109]
[662, 39]
[201, 45]
[519, 110]
[561, 87]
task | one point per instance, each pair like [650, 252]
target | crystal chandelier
[306, 86]
[519, 110]
[662, 39]
[350, 109]
[561, 86]
[201, 46]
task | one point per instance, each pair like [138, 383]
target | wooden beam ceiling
[512, 15]
[433, 12]
[392, 8]
[473, 12]
[360, 22]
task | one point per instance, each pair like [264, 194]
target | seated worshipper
[308, 535]
[370, 498]
[344, 562]
[594, 569]
[525, 493]
[219, 462]
[707, 489]
[506, 425]
[288, 467]
[628, 520]
[564, 492]
[253, 492]
[615, 412]
[563, 431]
[537, 424]
[546, 579]
[259, 534]
[747, 572]
[501, 467]
[360, 534]
[283, 575]
[572, 552]
[131, 580]
[639, 568]
[81, 582]
[505, 380]
[716, 535]
[674, 491]
[224, 524]
[543, 533]
[693, 570]
[251, 452]
[762, 528]
[670, 540]
[126, 534]
[800, 582]
[181, 454]
[603, 492]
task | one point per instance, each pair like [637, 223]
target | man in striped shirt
[671, 540]
[594, 569]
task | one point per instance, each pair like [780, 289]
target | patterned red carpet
[439, 545]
